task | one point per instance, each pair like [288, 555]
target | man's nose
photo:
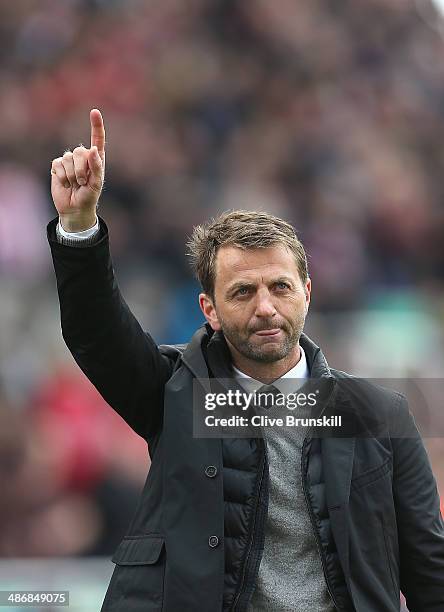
[264, 304]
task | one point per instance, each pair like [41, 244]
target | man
[284, 521]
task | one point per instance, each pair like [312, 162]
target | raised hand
[77, 179]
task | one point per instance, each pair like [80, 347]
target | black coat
[382, 522]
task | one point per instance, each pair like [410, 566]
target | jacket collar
[193, 355]
[316, 360]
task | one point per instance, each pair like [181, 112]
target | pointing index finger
[97, 131]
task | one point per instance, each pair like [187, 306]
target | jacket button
[211, 471]
[213, 541]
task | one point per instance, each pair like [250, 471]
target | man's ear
[307, 294]
[209, 311]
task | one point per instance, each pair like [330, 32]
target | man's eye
[282, 285]
[242, 291]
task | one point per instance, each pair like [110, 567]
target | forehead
[233, 263]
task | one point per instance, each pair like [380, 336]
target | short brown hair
[244, 229]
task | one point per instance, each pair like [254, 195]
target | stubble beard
[263, 354]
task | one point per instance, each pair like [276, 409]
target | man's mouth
[268, 332]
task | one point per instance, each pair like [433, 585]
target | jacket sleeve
[420, 524]
[121, 360]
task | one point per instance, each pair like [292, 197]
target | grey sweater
[291, 578]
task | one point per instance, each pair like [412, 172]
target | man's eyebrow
[285, 279]
[239, 284]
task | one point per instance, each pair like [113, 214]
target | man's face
[260, 301]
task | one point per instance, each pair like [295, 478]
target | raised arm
[121, 360]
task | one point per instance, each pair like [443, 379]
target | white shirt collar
[299, 371]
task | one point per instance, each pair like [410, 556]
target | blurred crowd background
[329, 114]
